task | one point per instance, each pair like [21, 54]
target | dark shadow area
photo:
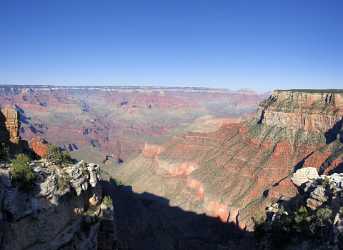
[300, 164]
[292, 224]
[147, 221]
[338, 169]
[23, 118]
[329, 160]
[333, 133]
[4, 134]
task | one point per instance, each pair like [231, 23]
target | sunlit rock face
[308, 111]
[39, 146]
[10, 123]
[235, 172]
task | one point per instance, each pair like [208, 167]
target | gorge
[177, 181]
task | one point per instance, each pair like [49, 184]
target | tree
[57, 155]
[22, 174]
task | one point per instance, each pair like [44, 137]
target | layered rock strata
[233, 173]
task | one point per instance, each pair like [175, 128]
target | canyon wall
[236, 171]
[308, 111]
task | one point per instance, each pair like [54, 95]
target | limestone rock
[304, 175]
[41, 220]
[301, 110]
[317, 198]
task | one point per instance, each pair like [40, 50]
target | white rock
[304, 175]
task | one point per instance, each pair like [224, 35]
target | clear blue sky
[254, 44]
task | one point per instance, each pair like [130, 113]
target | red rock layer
[39, 146]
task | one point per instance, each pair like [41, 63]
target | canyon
[235, 172]
[185, 168]
[113, 123]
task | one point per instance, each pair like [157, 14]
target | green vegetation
[116, 183]
[107, 200]
[63, 182]
[58, 156]
[302, 224]
[22, 174]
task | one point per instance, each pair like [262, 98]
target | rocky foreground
[64, 210]
[311, 220]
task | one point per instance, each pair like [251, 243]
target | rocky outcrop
[10, 118]
[65, 210]
[311, 220]
[304, 175]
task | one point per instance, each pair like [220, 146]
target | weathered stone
[93, 171]
[39, 215]
[300, 110]
[317, 198]
[93, 201]
[12, 124]
[304, 175]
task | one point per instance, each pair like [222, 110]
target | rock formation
[310, 111]
[59, 213]
[311, 220]
[11, 121]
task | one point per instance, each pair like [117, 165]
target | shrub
[57, 155]
[22, 174]
[116, 183]
[63, 181]
[324, 215]
[107, 200]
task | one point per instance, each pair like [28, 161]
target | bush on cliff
[296, 226]
[107, 200]
[58, 156]
[22, 174]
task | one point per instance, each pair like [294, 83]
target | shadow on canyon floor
[332, 134]
[146, 221]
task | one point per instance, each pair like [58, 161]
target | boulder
[317, 198]
[304, 175]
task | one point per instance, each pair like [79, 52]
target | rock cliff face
[10, 119]
[65, 209]
[39, 146]
[235, 172]
[312, 112]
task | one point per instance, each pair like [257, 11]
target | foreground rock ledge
[65, 209]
